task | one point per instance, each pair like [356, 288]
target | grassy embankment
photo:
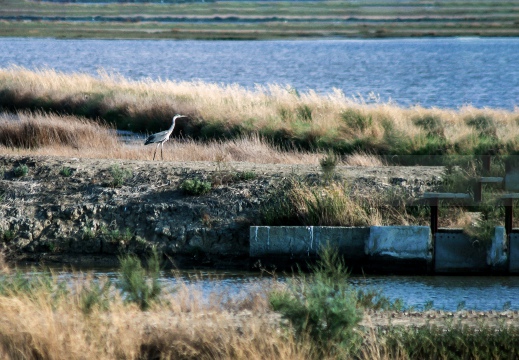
[282, 116]
[267, 125]
[47, 317]
[253, 20]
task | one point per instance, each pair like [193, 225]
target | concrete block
[512, 181]
[514, 253]
[401, 242]
[457, 252]
[350, 241]
[258, 237]
[496, 255]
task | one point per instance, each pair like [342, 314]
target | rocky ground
[85, 217]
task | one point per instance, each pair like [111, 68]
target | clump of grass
[328, 164]
[116, 235]
[21, 170]
[484, 124]
[356, 121]
[195, 187]
[40, 130]
[119, 176]
[7, 235]
[95, 295]
[65, 171]
[432, 124]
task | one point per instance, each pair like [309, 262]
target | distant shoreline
[252, 20]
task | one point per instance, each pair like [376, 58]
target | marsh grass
[281, 116]
[72, 136]
[45, 316]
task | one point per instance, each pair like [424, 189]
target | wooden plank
[510, 196]
[445, 196]
[491, 180]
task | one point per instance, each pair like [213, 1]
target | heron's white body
[161, 137]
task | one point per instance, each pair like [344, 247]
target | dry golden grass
[49, 134]
[303, 117]
[38, 325]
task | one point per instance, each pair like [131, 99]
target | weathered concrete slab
[350, 241]
[512, 181]
[457, 252]
[305, 241]
[400, 242]
[514, 253]
[497, 254]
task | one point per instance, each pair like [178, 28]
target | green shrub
[119, 175]
[322, 305]
[7, 235]
[140, 285]
[96, 294]
[21, 170]
[245, 175]
[117, 235]
[65, 171]
[195, 187]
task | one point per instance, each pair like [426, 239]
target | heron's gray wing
[155, 138]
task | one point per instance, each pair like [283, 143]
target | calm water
[445, 292]
[432, 72]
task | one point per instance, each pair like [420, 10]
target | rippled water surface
[442, 292]
[431, 72]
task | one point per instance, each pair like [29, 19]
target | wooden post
[508, 215]
[486, 165]
[478, 193]
[433, 203]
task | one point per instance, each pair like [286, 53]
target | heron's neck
[172, 126]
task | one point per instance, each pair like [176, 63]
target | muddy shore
[82, 219]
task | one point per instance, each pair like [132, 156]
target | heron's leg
[155, 151]
[161, 147]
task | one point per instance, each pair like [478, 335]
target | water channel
[419, 292]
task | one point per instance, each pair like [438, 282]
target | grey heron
[161, 137]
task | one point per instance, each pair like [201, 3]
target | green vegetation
[321, 306]
[250, 20]
[119, 175]
[195, 187]
[326, 318]
[116, 235]
[21, 170]
[65, 171]
[140, 285]
[328, 165]
[453, 341]
[343, 127]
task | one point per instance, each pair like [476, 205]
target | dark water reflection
[442, 292]
[448, 72]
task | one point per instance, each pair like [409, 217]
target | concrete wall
[455, 252]
[305, 241]
[514, 253]
[388, 248]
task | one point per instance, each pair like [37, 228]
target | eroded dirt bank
[82, 219]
